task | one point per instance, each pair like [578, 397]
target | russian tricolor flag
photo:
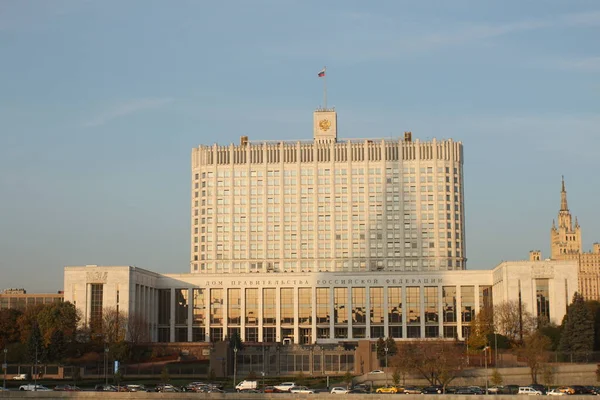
[322, 73]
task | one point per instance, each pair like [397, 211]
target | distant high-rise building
[328, 205]
[566, 244]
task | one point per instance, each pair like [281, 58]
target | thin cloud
[128, 108]
[589, 64]
[486, 31]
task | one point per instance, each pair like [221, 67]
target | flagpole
[325, 88]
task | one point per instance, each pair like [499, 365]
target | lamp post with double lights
[106, 350]
[4, 367]
[386, 349]
[485, 350]
[235, 350]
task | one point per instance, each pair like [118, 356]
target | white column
[172, 317]
[459, 312]
[296, 317]
[314, 314]
[368, 311]
[422, 309]
[404, 313]
[349, 307]
[243, 314]
[260, 315]
[190, 316]
[441, 310]
[278, 337]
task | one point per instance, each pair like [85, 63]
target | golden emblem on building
[324, 124]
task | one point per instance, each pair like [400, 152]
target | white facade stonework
[328, 205]
[317, 307]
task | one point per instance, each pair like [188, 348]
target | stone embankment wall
[236, 396]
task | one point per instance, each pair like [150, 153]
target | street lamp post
[4, 366]
[386, 365]
[35, 368]
[485, 350]
[235, 350]
[106, 365]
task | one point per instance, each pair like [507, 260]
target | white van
[529, 390]
[245, 385]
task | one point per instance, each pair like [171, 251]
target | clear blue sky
[101, 103]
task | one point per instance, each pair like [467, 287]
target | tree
[396, 376]
[9, 329]
[348, 377]
[391, 346]
[114, 325]
[481, 327]
[578, 328]
[35, 347]
[496, 378]
[594, 307]
[380, 347]
[534, 351]
[57, 349]
[548, 374]
[235, 341]
[513, 321]
[55, 317]
[138, 329]
[553, 333]
[27, 320]
[439, 362]
[164, 375]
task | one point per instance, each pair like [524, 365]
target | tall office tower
[328, 205]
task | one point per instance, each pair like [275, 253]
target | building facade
[328, 205]
[313, 307]
[566, 244]
[19, 299]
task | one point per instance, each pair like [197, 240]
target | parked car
[377, 371]
[529, 390]
[66, 388]
[539, 387]
[566, 390]
[555, 392]
[34, 388]
[285, 386]
[20, 377]
[339, 390]
[136, 388]
[387, 389]
[246, 385]
[358, 391]
[411, 390]
[269, 389]
[105, 388]
[302, 390]
[432, 390]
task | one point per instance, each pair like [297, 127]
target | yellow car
[389, 389]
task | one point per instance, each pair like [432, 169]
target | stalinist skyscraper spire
[565, 239]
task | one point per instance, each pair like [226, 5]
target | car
[555, 392]
[66, 388]
[269, 389]
[529, 391]
[136, 388]
[3, 389]
[387, 389]
[285, 386]
[432, 390]
[411, 390]
[301, 390]
[377, 371]
[34, 388]
[566, 390]
[339, 390]
[358, 391]
[105, 388]
[20, 377]
[539, 387]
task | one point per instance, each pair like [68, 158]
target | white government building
[323, 241]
